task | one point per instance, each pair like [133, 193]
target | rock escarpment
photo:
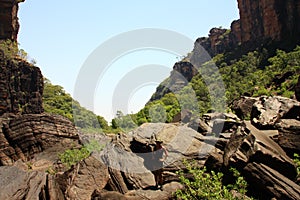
[269, 20]
[9, 25]
[261, 22]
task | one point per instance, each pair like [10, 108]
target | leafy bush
[297, 162]
[72, 156]
[208, 185]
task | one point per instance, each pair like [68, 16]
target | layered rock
[289, 135]
[9, 25]
[221, 40]
[21, 87]
[21, 137]
[266, 165]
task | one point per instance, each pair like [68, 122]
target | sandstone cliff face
[269, 19]
[9, 25]
[260, 22]
[21, 87]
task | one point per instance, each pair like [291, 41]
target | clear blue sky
[60, 35]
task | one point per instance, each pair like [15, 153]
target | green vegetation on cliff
[57, 101]
[254, 74]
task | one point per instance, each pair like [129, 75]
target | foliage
[57, 101]
[254, 74]
[73, 156]
[123, 122]
[208, 185]
[9, 49]
[297, 163]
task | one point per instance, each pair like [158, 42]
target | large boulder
[126, 168]
[243, 107]
[83, 179]
[267, 111]
[18, 184]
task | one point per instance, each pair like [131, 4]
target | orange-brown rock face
[275, 20]
[261, 22]
[9, 25]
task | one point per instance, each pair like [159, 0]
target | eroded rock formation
[23, 136]
[9, 25]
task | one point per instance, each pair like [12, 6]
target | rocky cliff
[9, 25]
[21, 87]
[261, 22]
[180, 76]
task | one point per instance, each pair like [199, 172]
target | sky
[61, 36]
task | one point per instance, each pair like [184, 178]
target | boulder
[242, 107]
[108, 195]
[83, 179]
[221, 122]
[18, 184]
[200, 126]
[289, 135]
[149, 194]
[267, 111]
[127, 169]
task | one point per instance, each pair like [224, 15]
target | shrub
[208, 185]
[72, 156]
[297, 162]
